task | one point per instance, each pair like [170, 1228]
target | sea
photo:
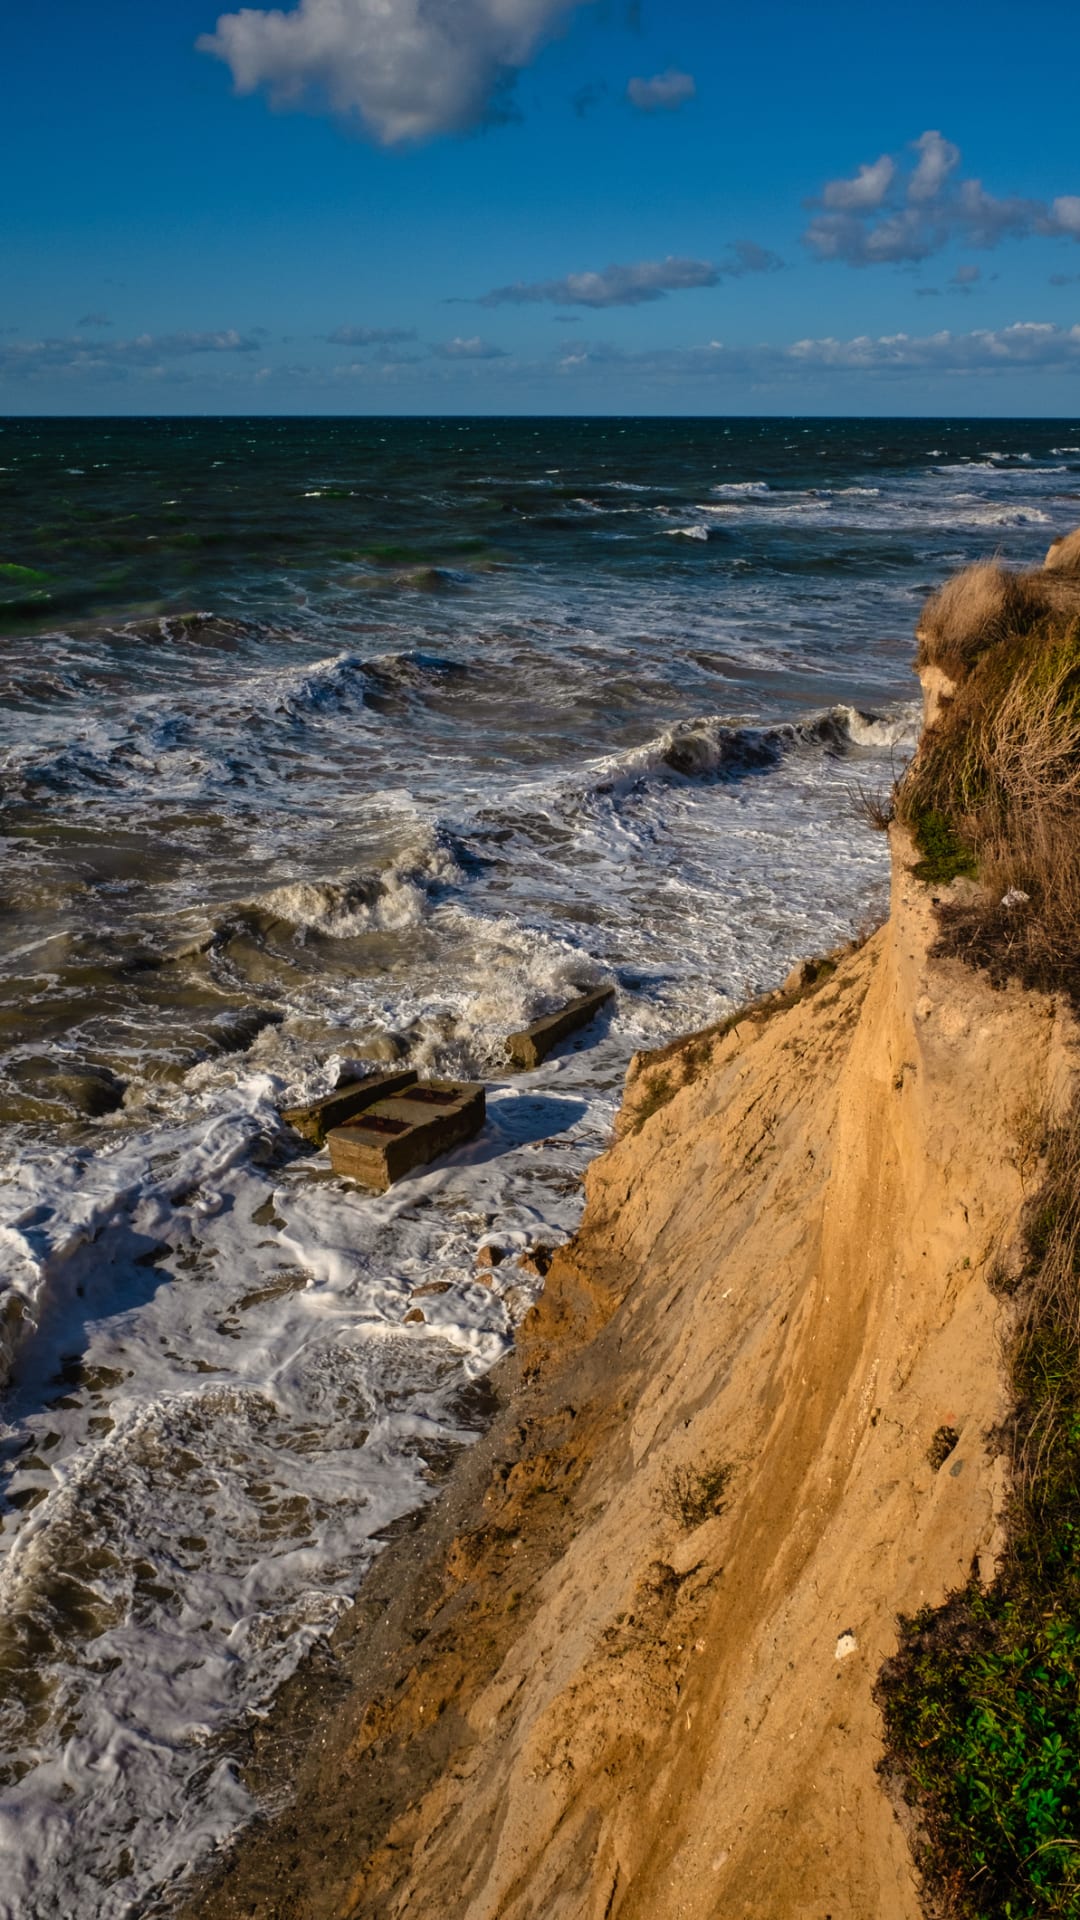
[326, 743]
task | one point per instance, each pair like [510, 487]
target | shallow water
[316, 732]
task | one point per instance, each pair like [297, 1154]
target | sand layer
[573, 1692]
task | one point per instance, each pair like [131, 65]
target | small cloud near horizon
[370, 336]
[1029, 345]
[145, 352]
[664, 93]
[95, 320]
[472, 349]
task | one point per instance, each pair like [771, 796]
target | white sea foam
[219, 1404]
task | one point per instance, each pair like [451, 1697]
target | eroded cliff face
[596, 1705]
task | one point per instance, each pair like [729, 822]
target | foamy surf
[340, 818]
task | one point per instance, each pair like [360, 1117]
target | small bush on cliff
[692, 1495]
[994, 792]
[981, 1703]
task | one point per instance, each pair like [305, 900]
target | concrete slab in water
[533, 1044]
[406, 1130]
[316, 1120]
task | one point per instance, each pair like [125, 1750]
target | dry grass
[994, 791]
[973, 611]
[872, 806]
[1064, 555]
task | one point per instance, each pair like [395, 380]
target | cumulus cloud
[866, 190]
[663, 93]
[898, 215]
[937, 159]
[472, 349]
[407, 69]
[635, 284]
[95, 320]
[370, 336]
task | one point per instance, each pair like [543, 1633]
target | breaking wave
[709, 746]
[395, 898]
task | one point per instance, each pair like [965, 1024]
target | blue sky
[540, 206]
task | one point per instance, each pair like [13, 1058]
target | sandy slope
[556, 1702]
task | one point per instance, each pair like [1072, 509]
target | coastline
[229, 1400]
[545, 1692]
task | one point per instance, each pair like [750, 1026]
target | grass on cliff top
[994, 793]
[981, 1703]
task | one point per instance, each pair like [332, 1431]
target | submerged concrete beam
[405, 1131]
[533, 1044]
[316, 1119]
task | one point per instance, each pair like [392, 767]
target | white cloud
[887, 215]
[614, 286]
[937, 158]
[370, 336]
[147, 352]
[409, 69]
[1026, 346]
[866, 190]
[1065, 213]
[1028, 343]
[663, 93]
[473, 349]
[636, 283]
[901, 237]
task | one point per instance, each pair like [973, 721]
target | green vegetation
[944, 854]
[981, 1703]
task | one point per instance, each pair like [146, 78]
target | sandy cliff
[571, 1696]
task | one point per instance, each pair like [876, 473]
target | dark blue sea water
[322, 740]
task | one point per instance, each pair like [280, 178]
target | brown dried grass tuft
[1045, 1341]
[975, 610]
[1064, 555]
[996, 783]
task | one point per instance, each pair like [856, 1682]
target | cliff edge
[625, 1669]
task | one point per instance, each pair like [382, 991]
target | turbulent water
[322, 739]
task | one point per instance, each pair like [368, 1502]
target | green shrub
[981, 1703]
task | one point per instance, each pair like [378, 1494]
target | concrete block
[316, 1120]
[406, 1130]
[533, 1044]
